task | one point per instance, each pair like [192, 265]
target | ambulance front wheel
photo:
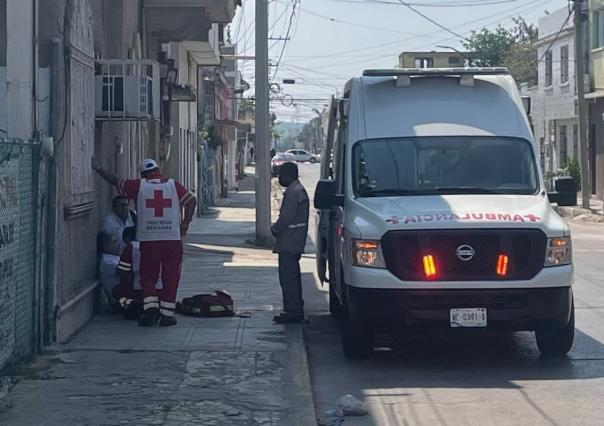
[357, 341]
[559, 341]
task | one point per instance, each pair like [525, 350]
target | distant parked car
[303, 156]
[279, 159]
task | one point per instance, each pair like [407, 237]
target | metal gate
[18, 188]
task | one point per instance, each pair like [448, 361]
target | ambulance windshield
[444, 165]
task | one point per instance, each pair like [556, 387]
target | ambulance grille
[525, 248]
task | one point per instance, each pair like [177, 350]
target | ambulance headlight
[559, 251]
[367, 254]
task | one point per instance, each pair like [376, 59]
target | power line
[524, 9]
[291, 21]
[427, 18]
[242, 11]
[463, 3]
[514, 9]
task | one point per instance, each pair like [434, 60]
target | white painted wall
[183, 157]
[555, 102]
[19, 66]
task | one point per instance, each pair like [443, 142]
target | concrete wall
[2, 101]
[19, 66]
[2, 33]
[182, 164]
[118, 145]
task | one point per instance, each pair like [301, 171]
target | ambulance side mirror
[325, 197]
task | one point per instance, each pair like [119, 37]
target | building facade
[113, 79]
[553, 99]
[452, 59]
[596, 97]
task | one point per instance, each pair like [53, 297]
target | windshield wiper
[465, 190]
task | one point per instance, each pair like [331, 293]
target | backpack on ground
[219, 304]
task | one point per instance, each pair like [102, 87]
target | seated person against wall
[108, 263]
[129, 291]
[119, 219]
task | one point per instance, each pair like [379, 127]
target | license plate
[474, 317]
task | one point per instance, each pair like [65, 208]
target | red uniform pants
[164, 256]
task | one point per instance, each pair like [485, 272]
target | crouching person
[109, 259]
[165, 210]
[129, 292]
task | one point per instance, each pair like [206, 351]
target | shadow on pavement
[491, 361]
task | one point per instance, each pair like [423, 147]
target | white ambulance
[433, 214]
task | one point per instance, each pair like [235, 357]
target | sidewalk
[204, 371]
[595, 213]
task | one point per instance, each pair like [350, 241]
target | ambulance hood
[375, 216]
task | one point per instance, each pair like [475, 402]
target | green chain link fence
[18, 168]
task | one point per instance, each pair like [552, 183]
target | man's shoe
[165, 321]
[279, 317]
[290, 320]
[150, 318]
[133, 310]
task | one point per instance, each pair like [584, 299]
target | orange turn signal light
[502, 265]
[429, 266]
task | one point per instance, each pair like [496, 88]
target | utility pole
[580, 17]
[263, 183]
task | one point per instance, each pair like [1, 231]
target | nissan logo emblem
[465, 253]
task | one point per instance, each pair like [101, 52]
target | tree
[508, 47]
[309, 136]
[488, 47]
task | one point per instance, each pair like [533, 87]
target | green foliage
[309, 134]
[489, 46]
[572, 169]
[508, 47]
[248, 106]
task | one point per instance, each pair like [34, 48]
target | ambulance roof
[435, 104]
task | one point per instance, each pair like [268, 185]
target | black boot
[165, 321]
[150, 318]
[133, 310]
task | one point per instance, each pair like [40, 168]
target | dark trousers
[290, 279]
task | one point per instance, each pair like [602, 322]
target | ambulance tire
[335, 307]
[357, 343]
[557, 343]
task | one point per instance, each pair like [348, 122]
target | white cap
[148, 165]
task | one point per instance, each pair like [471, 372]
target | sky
[331, 41]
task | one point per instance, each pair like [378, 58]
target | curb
[299, 389]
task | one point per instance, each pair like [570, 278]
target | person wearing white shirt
[108, 264]
[118, 219]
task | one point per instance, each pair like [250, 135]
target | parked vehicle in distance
[278, 160]
[303, 156]
[435, 216]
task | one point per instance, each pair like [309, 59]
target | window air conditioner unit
[127, 90]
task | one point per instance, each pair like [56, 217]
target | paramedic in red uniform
[161, 226]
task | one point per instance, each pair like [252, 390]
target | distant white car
[303, 156]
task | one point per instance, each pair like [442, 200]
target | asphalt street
[494, 380]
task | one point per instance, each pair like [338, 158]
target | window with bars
[597, 29]
[564, 64]
[563, 147]
[548, 68]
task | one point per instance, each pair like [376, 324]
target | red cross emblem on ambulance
[158, 203]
